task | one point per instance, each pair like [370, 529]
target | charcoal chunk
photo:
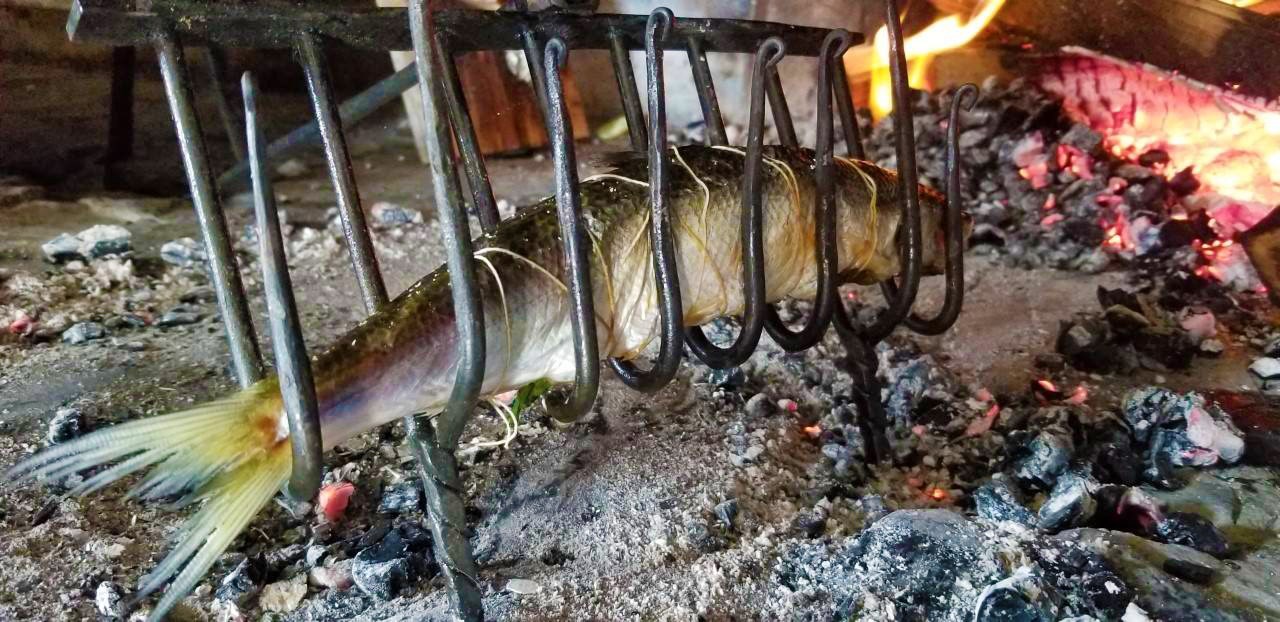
[997, 501]
[83, 332]
[1194, 531]
[241, 584]
[66, 424]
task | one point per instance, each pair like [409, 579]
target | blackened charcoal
[1045, 458]
[731, 378]
[1082, 137]
[178, 316]
[997, 501]
[332, 606]
[1172, 348]
[1009, 605]
[1184, 182]
[182, 252]
[1194, 531]
[66, 424]
[125, 321]
[65, 247]
[241, 584]
[1070, 503]
[1111, 297]
[405, 496]
[380, 580]
[1146, 195]
[83, 332]
[913, 557]
[391, 546]
[727, 512]
[1189, 571]
[1134, 172]
[1108, 594]
[810, 523]
[102, 240]
[1154, 157]
[1119, 464]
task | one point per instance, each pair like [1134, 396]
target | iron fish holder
[545, 38]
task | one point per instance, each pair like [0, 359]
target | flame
[947, 33]
[1244, 4]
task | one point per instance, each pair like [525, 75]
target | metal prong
[706, 87]
[577, 254]
[359, 243]
[752, 230]
[232, 302]
[665, 274]
[293, 367]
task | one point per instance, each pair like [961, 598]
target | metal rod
[781, 111]
[351, 112]
[825, 217]
[910, 239]
[434, 447]
[354, 227]
[577, 253]
[293, 366]
[848, 116]
[537, 71]
[706, 87]
[628, 92]
[661, 236]
[222, 95]
[120, 122]
[752, 232]
[232, 302]
[953, 226]
[468, 145]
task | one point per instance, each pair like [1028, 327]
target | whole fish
[233, 455]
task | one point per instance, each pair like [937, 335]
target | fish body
[234, 454]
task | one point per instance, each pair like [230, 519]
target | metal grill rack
[545, 38]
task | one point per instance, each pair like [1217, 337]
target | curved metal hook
[753, 284]
[953, 224]
[825, 222]
[582, 314]
[661, 240]
[293, 367]
[909, 236]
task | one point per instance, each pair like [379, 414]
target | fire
[947, 33]
[1229, 141]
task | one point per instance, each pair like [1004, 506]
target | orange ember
[1231, 142]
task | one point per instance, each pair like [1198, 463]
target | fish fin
[229, 454]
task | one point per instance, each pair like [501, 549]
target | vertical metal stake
[232, 302]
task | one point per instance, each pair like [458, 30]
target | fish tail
[232, 455]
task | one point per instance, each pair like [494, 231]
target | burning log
[1262, 243]
[1206, 40]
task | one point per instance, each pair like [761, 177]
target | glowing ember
[333, 498]
[937, 494]
[1230, 141]
[813, 431]
[948, 33]
[1048, 385]
[1079, 396]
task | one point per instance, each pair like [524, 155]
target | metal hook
[825, 213]
[293, 367]
[752, 240]
[909, 240]
[582, 314]
[661, 238]
[953, 225]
